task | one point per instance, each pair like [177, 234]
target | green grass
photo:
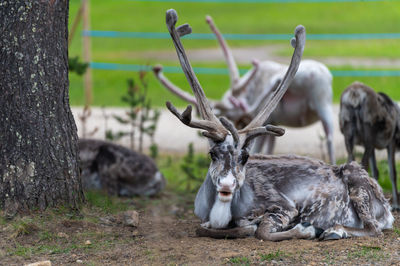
[177, 179]
[255, 18]
[111, 85]
[120, 15]
[37, 234]
[397, 231]
[239, 261]
[368, 253]
[106, 203]
[273, 256]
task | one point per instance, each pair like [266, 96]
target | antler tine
[298, 43]
[171, 87]
[202, 102]
[230, 60]
[228, 125]
[258, 131]
[241, 85]
[186, 118]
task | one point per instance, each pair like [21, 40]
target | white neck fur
[220, 214]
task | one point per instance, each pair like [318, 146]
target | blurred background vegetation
[236, 18]
[109, 86]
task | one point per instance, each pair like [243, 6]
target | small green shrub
[239, 261]
[195, 168]
[273, 256]
[141, 118]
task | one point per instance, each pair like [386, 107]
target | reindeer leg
[374, 168]
[236, 232]
[339, 231]
[392, 173]
[300, 231]
[367, 154]
[259, 144]
[270, 144]
[349, 141]
[325, 113]
[368, 140]
[275, 221]
[362, 203]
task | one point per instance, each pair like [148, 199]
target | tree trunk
[38, 137]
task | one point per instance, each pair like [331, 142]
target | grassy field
[109, 86]
[319, 18]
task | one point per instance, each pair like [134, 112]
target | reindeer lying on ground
[118, 170]
[372, 120]
[275, 197]
[307, 100]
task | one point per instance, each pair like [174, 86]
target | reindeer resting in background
[275, 197]
[118, 170]
[373, 120]
[307, 100]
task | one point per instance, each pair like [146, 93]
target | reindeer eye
[243, 157]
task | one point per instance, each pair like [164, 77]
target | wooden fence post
[87, 83]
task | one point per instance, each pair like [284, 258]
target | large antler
[237, 84]
[275, 95]
[171, 87]
[214, 129]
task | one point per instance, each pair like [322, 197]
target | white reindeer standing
[307, 100]
[275, 197]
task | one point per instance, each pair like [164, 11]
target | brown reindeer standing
[372, 120]
[274, 197]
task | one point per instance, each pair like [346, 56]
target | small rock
[79, 261]
[40, 263]
[62, 235]
[181, 234]
[87, 242]
[130, 218]
[175, 210]
[108, 220]
[135, 233]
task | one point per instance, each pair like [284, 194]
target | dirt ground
[166, 236]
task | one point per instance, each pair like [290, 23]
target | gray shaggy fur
[290, 190]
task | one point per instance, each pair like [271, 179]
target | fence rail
[237, 36]
[259, 1]
[224, 71]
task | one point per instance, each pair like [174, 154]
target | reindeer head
[229, 147]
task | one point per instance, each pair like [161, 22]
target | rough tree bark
[38, 137]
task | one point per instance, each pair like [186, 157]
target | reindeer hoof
[395, 207]
[332, 236]
[333, 233]
[307, 231]
[231, 233]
